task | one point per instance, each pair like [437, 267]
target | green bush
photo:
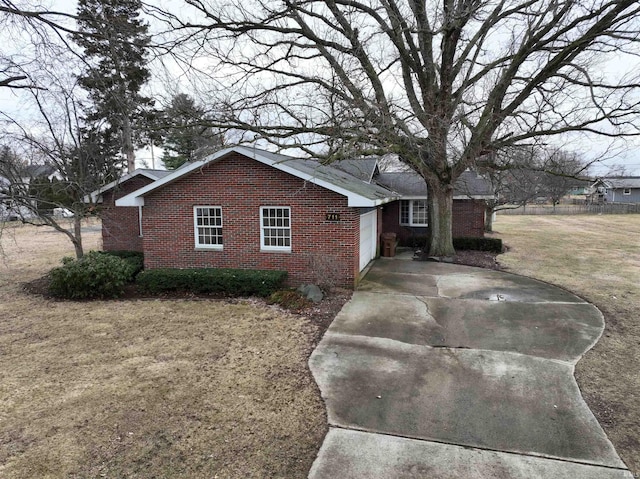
[95, 275]
[135, 259]
[478, 244]
[230, 282]
[461, 243]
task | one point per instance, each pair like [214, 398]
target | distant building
[615, 189]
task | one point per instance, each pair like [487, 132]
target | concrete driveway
[444, 371]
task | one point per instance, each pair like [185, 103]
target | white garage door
[368, 236]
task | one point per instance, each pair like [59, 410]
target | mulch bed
[480, 259]
[320, 314]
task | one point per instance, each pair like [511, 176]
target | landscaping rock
[312, 292]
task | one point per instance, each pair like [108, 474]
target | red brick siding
[391, 223]
[468, 220]
[322, 252]
[120, 224]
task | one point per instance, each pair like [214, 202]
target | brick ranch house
[247, 208]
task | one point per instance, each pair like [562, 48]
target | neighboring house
[615, 189]
[248, 208]
[121, 227]
[11, 210]
[39, 171]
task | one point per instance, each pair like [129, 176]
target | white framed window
[275, 228]
[207, 222]
[414, 213]
[626, 191]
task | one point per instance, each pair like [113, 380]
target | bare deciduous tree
[438, 83]
[76, 156]
[519, 176]
[31, 34]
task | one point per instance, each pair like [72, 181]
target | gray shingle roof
[363, 169]
[409, 184]
[622, 181]
[36, 171]
[157, 173]
[332, 175]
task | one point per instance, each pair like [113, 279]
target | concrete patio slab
[399, 283]
[557, 331]
[439, 371]
[493, 400]
[354, 454]
[506, 287]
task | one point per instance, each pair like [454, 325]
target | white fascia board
[474, 197]
[130, 200]
[96, 196]
[369, 203]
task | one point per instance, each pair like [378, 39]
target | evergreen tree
[186, 136]
[115, 42]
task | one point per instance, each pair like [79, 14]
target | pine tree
[186, 134]
[115, 42]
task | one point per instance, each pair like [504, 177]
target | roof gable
[154, 175]
[364, 169]
[358, 192]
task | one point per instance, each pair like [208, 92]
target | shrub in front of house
[223, 281]
[460, 243]
[478, 244]
[135, 259]
[95, 275]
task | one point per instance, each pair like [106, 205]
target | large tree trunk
[488, 218]
[127, 143]
[440, 200]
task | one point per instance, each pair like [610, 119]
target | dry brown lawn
[148, 388]
[598, 258]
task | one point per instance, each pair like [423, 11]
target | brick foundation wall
[322, 252]
[468, 220]
[120, 224]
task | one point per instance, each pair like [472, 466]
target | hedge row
[461, 243]
[478, 244]
[230, 282]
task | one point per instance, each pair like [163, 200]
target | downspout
[140, 220]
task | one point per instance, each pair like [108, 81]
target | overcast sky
[625, 154]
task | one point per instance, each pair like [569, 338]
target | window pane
[420, 212]
[209, 226]
[404, 212]
[276, 231]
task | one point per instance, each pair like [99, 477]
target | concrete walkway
[445, 371]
